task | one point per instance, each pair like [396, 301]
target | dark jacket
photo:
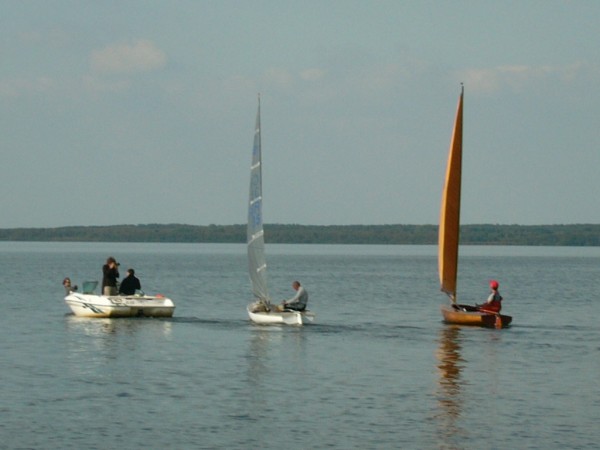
[109, 276]
[129, 285]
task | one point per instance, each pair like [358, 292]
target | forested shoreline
[531, 235]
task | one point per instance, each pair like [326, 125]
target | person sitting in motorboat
[130, 283]
[494, 302]
[110, 272]
[68, 286]
[297, 302]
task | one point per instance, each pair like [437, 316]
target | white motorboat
[89, 304]
[261, 311]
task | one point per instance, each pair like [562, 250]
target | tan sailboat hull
[468, 315]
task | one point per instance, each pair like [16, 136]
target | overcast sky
[136, 112]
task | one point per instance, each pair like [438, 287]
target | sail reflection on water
[449, 392]
[269, 344]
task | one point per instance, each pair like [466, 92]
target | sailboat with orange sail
[448, 239]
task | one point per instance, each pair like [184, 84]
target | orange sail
[450, 211]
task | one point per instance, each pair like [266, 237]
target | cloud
[278, 77]
[238, 84]
[99, 85]
[285, 78]
[313, 74]
[16, 88]
[517, 76]
[138, 56]
[55, 38]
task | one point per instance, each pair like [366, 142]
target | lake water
[377, 370]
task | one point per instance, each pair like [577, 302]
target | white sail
[257, 264]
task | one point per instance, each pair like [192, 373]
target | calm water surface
[377, 370]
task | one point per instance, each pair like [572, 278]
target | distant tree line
[558, 235]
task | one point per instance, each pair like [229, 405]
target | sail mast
[450, 211]
[257, 265]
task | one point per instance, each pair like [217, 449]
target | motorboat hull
[91, 305]
[469, 315]
[260, 316]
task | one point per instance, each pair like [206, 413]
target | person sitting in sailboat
[297, 302]
[494, 301]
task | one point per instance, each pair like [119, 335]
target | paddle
[498, 323]
[498, 319]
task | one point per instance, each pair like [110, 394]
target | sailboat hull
[468, 315]
[278, 317]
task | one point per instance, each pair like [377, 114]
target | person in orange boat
[494, 301]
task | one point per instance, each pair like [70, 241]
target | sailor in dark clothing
[130, 283]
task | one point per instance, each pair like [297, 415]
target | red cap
[494, 284]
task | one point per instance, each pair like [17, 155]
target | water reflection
[104, 328]
[92, 342]
[276, 358]
[450, 386]
[270, 349]
[258, 355]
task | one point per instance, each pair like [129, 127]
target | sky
[142, 111]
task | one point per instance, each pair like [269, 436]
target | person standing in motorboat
[494, 302]
[297, 302]
[130, 283]
[110, 273]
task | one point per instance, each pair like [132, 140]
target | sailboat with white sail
[261, 311]
[448, 238]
